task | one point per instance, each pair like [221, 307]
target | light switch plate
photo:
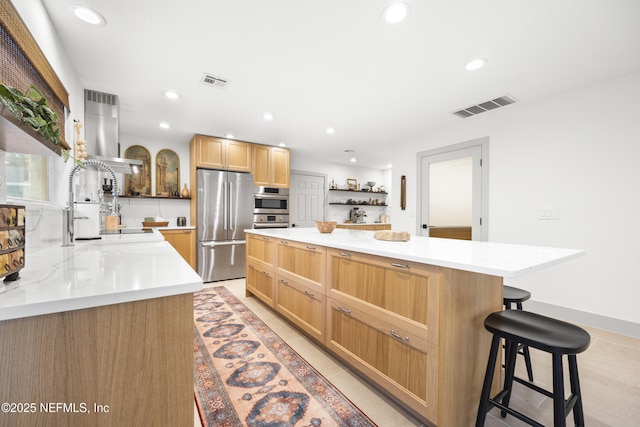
[549, 213]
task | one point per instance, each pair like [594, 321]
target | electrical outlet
[549, 213]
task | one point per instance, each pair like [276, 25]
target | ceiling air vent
[485, 106]
[215, 81]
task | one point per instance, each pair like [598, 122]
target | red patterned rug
[245, 375]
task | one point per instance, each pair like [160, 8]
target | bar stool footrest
[522, 417]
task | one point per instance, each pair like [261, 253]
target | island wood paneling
[135, 358]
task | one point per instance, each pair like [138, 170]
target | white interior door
[451, 193]
[306, 199]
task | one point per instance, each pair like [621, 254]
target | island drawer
[404, 364]
[303, 262]
[395, 291]
[304, 306]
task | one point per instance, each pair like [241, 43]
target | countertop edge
[501, 269]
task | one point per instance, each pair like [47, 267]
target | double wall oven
[270, 207]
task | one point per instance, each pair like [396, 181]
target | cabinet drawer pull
[311, 248]
[395, 335]
[266, 273]
[344, 254]
[395, 264]
[311, 294]
[284, 281]
[266, 239]
[344, 310]
[284, 242]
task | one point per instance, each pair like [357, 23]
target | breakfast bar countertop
[96, 273]
[497, 259]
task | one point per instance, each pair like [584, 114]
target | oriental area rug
[245, 375]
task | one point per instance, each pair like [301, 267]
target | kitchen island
[99, 334]
[408, 316]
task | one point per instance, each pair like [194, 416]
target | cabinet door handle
[395, 335]
[311, 294]
[344, 310]
[312, 248]
[395, 264]
[344, 254]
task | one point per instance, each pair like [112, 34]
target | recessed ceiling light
[395, 12]
[353, 160]
[331, 131]
[171, 94]
[389, 165]
[87, 15]
[164, 125]
[267, 116]
[282, 144]
[230, 136]
[475, 64]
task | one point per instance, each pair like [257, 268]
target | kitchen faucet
[68, 212]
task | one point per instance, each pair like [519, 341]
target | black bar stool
[546, 334]
[517, 296]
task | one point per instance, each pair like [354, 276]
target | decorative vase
[185, 192]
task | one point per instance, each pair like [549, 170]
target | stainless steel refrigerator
[224, 211]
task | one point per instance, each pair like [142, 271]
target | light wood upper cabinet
[270, 166]
[184, 241]
[217, 153]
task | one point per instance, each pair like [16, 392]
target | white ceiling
[320, 63]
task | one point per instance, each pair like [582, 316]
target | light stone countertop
[116, 269]
[497, 259]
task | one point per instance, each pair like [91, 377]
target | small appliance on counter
[356, 215]
[181, 221]
[87, 220]
[12, 241]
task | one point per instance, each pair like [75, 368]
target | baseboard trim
[610, 324]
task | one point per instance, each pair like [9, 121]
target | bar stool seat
[511, 295]
[546, 334]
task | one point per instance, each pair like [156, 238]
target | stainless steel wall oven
[270, 207]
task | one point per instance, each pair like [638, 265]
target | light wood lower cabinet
[184, 241]
[402, 363]
[302, 305]
[133, 360]
[415, 330]
[260, 277]
[302, 262]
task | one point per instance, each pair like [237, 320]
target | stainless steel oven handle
[270, 196]
[257, 225]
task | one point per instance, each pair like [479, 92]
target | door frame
[484, 192]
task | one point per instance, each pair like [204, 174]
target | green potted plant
[31, 108]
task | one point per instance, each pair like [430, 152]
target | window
[27, 176]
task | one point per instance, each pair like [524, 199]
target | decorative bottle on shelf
[185, 191]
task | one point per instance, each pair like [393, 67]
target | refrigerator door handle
[225, 243]
[225, 207]
[232, 225]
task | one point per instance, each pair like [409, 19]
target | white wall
[579, 152]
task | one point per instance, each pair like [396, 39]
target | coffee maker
[356, 215]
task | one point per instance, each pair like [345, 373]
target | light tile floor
[609, 375]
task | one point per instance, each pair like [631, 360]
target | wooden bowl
[326, 226]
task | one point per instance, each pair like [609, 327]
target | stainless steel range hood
[102, 133]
